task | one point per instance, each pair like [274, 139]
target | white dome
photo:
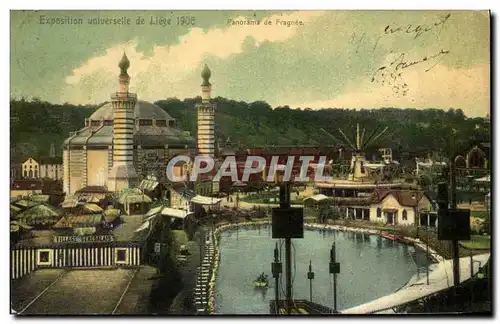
[142, 110]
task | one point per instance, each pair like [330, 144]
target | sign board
[288, 223]
[159, 247]
[454, 224]
[84, 239]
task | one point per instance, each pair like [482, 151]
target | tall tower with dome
[122, 142]
[123, 175]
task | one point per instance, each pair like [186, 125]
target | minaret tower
[206, 112]
[123, 175]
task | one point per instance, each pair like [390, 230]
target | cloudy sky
[343, 59]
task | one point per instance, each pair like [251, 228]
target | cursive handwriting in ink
[392, 73]
[419, 29]
[402, 64]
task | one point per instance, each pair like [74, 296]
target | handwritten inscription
[392, 73]
[417, 30]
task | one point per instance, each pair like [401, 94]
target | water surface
[370, 267]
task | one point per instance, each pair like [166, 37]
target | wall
[25, 260]
[51, 171]
[97, 167]
[77, 170]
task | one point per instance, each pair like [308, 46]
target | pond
[370, 267]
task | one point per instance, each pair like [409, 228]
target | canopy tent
[203, 200]
[132, 196]
[90, 208]
[484, 179]
[40, 214]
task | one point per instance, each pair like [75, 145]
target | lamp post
[310, 276]
[334, 269]
[276, 269]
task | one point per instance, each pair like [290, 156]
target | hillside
[37, 124]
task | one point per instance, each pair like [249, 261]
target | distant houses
[37, 168]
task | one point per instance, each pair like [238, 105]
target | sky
[334, 59]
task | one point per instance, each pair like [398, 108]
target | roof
[25, 203]
[134, 195]
[111, 214]
[176, 213]
[39, 198]
[69, 202]
[27, 185]
[317, 198]
[148, 184]
[484, 179]
[142, 110]
[49, 160]
[79, 221]
[91, 208]
[93, 189]
[409, 198]
[202, 200]
[39, 214]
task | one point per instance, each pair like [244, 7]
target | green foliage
[37, 124]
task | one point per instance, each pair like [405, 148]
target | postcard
[250, 162]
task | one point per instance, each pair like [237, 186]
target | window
[121, 256]
[379, 213]
[145, 122]
[44, 257]
[161, 123]
[362, 168]
[405, 215]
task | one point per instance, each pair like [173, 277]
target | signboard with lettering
[159, 247]
[84, 239]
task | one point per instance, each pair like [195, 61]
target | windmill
[358, 165]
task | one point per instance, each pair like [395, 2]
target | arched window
[405, 215]
[379, 212]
